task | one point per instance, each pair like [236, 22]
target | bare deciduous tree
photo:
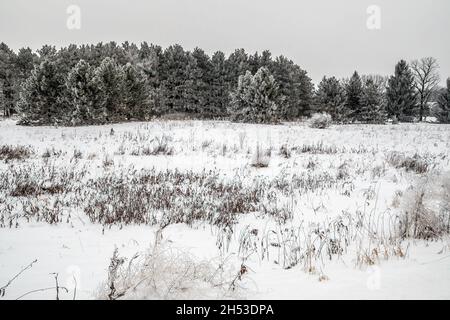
[426, 78]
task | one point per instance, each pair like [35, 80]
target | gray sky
[325, 37]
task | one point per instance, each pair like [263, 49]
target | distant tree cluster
[405, 96]
[96, 84]
[106, 82]
[358, 99]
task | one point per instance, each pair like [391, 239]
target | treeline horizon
[107, 82]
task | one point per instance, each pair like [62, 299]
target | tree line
[107, 82]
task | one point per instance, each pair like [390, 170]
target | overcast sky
[325, 37]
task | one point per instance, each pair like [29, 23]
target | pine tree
[372, 108]
[24, 63]
[8, 79]
[266, 98]
[136, 95]
[82, 94]
[443, 105]
[47, 53]
[294, 85]
[42, 96]
[218, 89]
[257, 98]
[173, 78]
[108, 79]
[330, 98]
[197, 88]
[67, 58]
[150, 63]
[240, 105]
[400, 92]
[235, 66]
[353, 94]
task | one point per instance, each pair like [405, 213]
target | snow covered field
[225, 210]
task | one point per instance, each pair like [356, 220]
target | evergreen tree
[47, 53]
[257, 98]
[400, 92]
[353, 94]
[240, 104]
[24, 63]
[173, 78]
[372, 107]
[218, 89]
[198, 79]
[108, 79]
[150, 62]
[82, 94]
[7, 79]
[330, 98]
[42, 96]
[136, 94]
[235, 66]
[442, 113]
[295, 86]
[67, 58]
[254, 63]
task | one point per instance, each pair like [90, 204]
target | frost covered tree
[150, 62]
[7, 79]
[257, 99]
[218, 90]
[174, 74]
[294, 85]
[240, 108]
[136, 94]
[42, 96]
[82, 94]
[108, 79]
[353, 94]
[400, 94]
[330, 98]
[235, 66]
[198, 79]
[442, 112]
[372, 105]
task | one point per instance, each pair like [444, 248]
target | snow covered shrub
[415, 163]
[159, 145]
[261, 158]
[426, 208]
[394, 120]
[8, 153]
[167, 273]
[162, 145]
[320, 121]
[285, 152]
[317, 148]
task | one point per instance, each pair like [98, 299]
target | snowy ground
[323, 220]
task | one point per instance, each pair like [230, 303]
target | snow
[82, 249]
